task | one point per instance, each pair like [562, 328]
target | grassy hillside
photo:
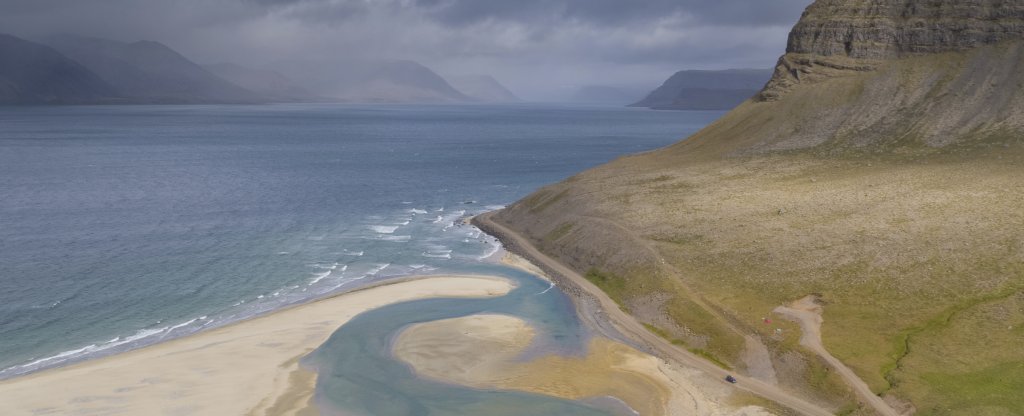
[893, 189]
[920, 262]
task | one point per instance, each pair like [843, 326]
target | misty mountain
[604, 94]
[31, 73]
[268, 83]
[483, 88]
[373, 81]
[150, 72]
[706, 90]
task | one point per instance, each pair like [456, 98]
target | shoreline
[484, 351]
[99, 355]
[598, 308]
[247, 367]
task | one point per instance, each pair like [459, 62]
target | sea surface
[126, 226]
[357, 373]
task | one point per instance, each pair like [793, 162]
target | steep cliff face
[916, 103]
[895, 73]
[880, 170]
[837, 36]
[893, 28]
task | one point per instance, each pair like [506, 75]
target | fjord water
[358, 375]
[125, 226]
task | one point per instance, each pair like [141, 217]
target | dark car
[730, 379]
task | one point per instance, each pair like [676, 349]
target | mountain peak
[149, 71]
[835, 38]
[884, 76]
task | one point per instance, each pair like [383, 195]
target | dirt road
[631, 328]
[807, 313]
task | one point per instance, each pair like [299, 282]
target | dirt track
[808, 314]
[631, 328]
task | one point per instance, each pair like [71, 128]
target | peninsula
[849, 235]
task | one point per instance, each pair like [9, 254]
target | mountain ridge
[373, 81]
[483, 88]
[879, 178]
[149, 71]
[32, 73]
[706, 89]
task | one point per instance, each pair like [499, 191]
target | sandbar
[484, 351]
[247, 368]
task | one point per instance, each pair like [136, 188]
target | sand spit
[482, 351]
[249, 368]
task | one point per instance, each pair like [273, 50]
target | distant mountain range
[385, 81]
[31, 73]
[269, 84]
[150, 72]
[483, 88]
[706, 90]
[68, 69]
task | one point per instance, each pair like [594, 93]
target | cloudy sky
[539, 48]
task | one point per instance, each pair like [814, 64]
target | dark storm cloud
[614, 12]
[533, 45]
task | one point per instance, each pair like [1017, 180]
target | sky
[540, 49]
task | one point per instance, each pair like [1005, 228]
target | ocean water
[126, 226]
[357, 374]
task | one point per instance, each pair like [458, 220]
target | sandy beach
[248, 368]
[483, 351]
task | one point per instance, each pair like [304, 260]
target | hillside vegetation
[884, 175]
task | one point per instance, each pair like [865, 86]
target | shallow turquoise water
[357, 374]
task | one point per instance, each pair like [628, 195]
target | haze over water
[125, 226]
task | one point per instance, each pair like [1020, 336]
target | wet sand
[248, 368]
[484, 352]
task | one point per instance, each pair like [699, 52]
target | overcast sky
[536, 47]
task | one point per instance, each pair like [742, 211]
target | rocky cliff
[899, 73]
[880, 172]
[896, 28]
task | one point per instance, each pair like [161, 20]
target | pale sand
[248, 368]
[512, 260]
[481, 351]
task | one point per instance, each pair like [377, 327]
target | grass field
[919, 258]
